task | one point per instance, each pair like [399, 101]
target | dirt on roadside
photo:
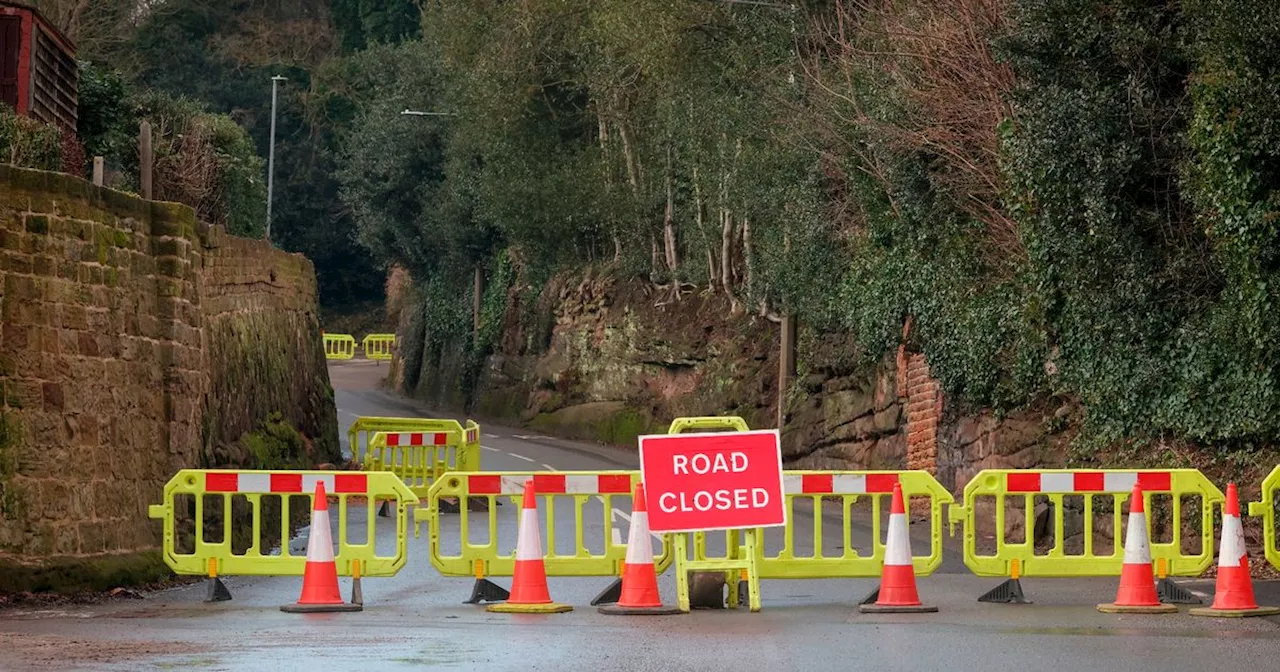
[51, 652]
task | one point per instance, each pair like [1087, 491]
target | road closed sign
[719, 481]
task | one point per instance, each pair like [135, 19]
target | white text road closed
[712, 481]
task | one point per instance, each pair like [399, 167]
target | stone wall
[604, 360]
[133, 343]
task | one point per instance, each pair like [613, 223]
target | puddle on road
[1100, 631]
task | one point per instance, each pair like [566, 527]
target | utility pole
[145, 158]
[271, 150]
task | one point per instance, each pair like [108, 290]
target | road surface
[415, 620]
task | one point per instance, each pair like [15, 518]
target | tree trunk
[668, 229]
[706, 241]
[653, 260]
[726, 256]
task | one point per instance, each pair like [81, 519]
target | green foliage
[229, 187]
[10, 440]
[198, 50]
[29, 143]
[1121, 250]
[364, 23]
[277, 445]
[107, 126]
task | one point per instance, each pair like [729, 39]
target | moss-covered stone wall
[134, 341]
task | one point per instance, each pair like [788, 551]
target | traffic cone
[639, 578]
[897, 593]
[1137, 593]
[529, 593]
[320, 579]
[1233, 594]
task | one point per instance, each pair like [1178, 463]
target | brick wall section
[924, 409]
[120, 320]
[922, 397]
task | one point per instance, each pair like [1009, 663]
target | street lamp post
[271, 150]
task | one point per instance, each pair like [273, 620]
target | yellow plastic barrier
[422, 455]
[378, 346]
[1016, 559]
[339, 346]
[707, 424]
[200, 537]
[477, 497]
[361, 432]
[740, 559]
[1266, 510]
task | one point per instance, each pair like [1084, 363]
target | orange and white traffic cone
[1233, 594]
[1137, 593]
[639, 578]
[320, 579]
[529, 592]
[897, 594]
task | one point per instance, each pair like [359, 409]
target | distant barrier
[1266, 510]
[363, 429]
[214, 521]
[339, 346]
[378, 346]
[422, 456]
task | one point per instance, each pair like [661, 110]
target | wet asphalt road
[415, 620]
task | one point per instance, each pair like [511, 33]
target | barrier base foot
[744, 594]
[487, 591]
[1009, 592]
[609, 595]
[508, 608]
[897, 609]
[1235, 613]
[871, 597]
[1126, 609]
[384, 511]
[357, 592]
[1172, 593]
[319, 608]
[215, 590]
[615, 610]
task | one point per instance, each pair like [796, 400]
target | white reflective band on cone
[898, 546]
[639, 548]
[529, 546]
[1136, 549]
[320, 542]
[1233, 549]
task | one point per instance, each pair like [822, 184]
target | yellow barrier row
[215, 521]
[378, 346]
[339, 346]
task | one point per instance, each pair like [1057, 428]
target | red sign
[718, 481]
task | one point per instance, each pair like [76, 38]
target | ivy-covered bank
[1074, 203]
